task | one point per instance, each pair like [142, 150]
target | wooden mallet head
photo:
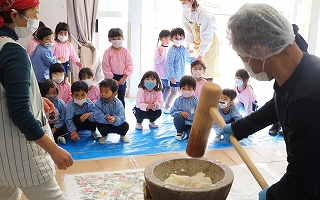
[202, 124]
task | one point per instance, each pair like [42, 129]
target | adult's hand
[47, 105]
[226, 131]
[61, 158]
[263, 194]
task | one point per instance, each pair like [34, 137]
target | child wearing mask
[245, 94]
[57, 74]
[227, 109]
[110, 113]
[42, 57]
[197, 69]
[86, 75]
[184, 107]
[63, 49]
[80, 112]
[160, 60]
[149, 100]
[56, 118]
[33, 43]
[178, 55]
[117, 62]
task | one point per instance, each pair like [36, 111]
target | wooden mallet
[206, 114]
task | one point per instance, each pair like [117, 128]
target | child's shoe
[103, 139]
[217, 138]
[139, 126]
[179, 136]
[153, 125]
[166, 110]
[61, 140]
[95, 135]
[124, 139]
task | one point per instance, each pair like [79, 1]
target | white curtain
[82, 21]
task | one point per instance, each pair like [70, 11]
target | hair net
[259, 31]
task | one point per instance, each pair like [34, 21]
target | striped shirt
[176, 61]
[73, 109]
[199, 87]
[115, 109]
[94, 93]
[64, 89]
[232, 116]
[160, 61]
[182, 104]
[117, 62]
[65, 50]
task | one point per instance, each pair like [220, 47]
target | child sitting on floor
[110, 113]
[184, 107]
[56, 118]
[227, 109]
[149, 99]
[86, 75]
[80, 112]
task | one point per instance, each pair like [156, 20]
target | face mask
[185, 7]
[197, 73]
[24, 32]
[238, 82]
[107, 100]
[88, 82]
[58, 79]
[62, 38]
[116, 43]
[49, 45]
[262, 76]
[223, 104]
[80, 102]
[52, 99]
[187, 94]
[149, 85]
[178, 43]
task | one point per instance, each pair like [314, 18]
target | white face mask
[187, 94]
[223, 104]
[178, 43]
[49, 45]
[58, 79]
[62, 38]
[197, 73]
[80, 102]
[24, 32]
[238, 82]
[88, 82]
[116, 43]
[262, 76]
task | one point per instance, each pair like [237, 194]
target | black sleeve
[15, 78]
[254, 122]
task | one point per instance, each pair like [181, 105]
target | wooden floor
[273, 156]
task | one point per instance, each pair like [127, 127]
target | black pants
[122, 88]
[86, 125]
[149, 114]
[179, 123]
[105, 129]
[62, 131]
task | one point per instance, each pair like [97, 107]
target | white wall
[51, 13]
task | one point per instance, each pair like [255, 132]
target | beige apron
[211, 58]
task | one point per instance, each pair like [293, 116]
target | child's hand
[184, 114]
[79, 64]
[122, 81]
[62, 59]
[111, 119]
[47, 105]
[54, 129]
[74, 135]
[160, 50]
[154, 106]
[84, 117]
[174, 80]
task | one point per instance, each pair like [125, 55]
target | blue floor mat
[149, 140]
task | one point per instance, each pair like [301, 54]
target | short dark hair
[198, 62]
[44, 32]
[153, 74]
[78, 86]
[56, 67]
[243, 74]
[62, 26]
[187, 80]
[46, 85]
[85, 70]
[109, 83]
[115, 32]
[230, 93]
[177, 31]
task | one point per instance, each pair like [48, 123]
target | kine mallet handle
[197, 144]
